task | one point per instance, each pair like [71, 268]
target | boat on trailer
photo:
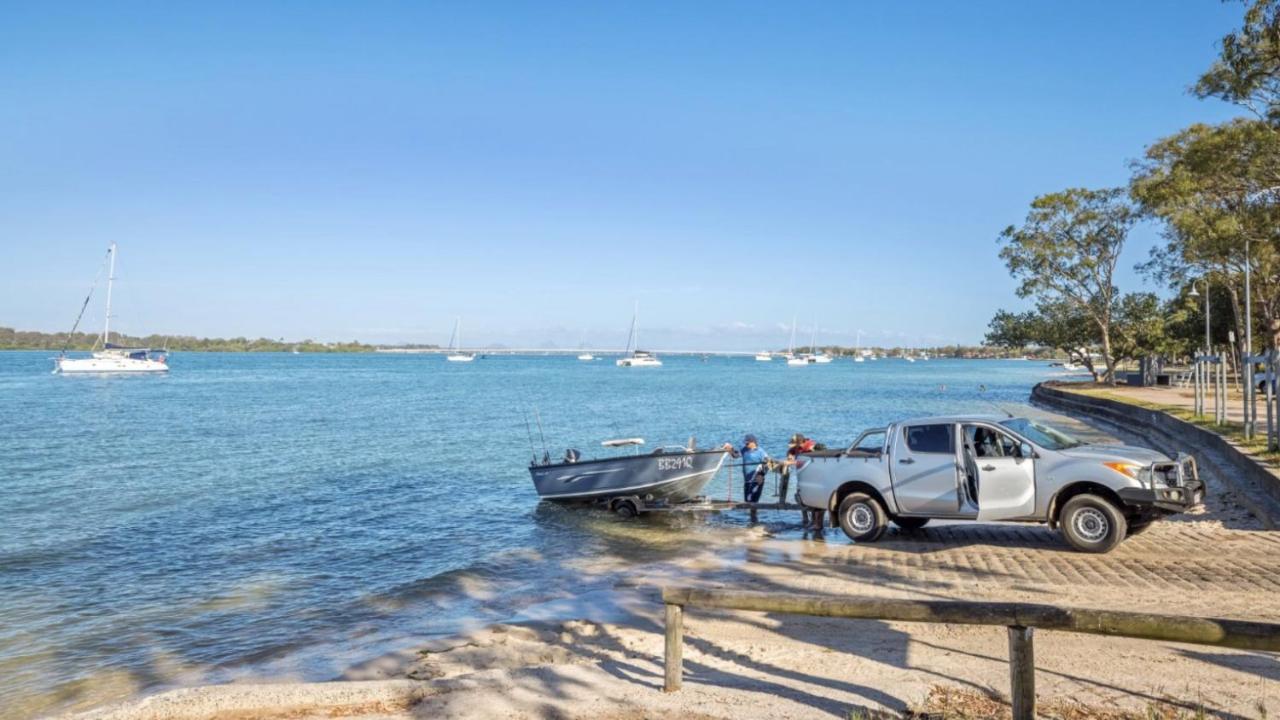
[112, 359]
[670, 474]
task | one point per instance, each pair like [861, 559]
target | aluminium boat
[671, 474]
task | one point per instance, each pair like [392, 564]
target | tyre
[910, 523]
[626, 509]
[862, 517]
[1092, 524]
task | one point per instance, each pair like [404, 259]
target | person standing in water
[755, 465]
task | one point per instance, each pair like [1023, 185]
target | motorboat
[455, 352]
[634, 357]
[586, 357]
[764, 357]
[671, 474]
[111, 359]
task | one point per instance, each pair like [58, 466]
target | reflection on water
[282, 514]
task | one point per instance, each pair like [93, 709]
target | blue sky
[371, 170]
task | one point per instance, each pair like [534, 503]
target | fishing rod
[533, 453]
[546, 456]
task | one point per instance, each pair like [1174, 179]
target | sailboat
[455, 351]
[584, 355]
[817, 356]
[634, 357]
[764, 357]
[112, 359]
[794, 360]
[859, 355]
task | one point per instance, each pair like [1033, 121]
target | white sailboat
[111, 359]
[585, 356]
[817, 356]
[634, 357]
[455, 351]
[764, 357]
[794, 360]
[859, 355]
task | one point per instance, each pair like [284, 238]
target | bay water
[285, 515]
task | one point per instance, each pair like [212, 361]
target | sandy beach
[600, 655]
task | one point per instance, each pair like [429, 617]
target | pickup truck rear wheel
[1092, 524]
[862, 517]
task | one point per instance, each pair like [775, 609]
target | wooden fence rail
[1019, 618]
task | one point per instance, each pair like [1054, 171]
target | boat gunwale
[626, 457]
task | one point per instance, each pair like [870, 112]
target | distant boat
[764, 357]
[634, 357]
[111, 359]
[455, 352]
[586, 356]
[859, 358]
[794, 360]
[817, 356]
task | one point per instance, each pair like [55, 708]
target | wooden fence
[1020, 619]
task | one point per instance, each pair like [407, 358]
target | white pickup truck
[987, 468]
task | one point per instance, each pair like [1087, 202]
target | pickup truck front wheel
[1092, 524]
[862, 517]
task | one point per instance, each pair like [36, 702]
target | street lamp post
[1250, 406]
[1199, 367]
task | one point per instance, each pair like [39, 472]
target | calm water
[289, 513]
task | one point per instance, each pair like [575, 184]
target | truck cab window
[931, 439]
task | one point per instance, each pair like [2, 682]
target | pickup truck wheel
[862, 517]
[1091, 524]
[910, 523]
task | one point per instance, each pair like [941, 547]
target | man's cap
[749, 439]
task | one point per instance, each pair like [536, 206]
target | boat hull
[113, 366]
[639, 362]
[674, 477]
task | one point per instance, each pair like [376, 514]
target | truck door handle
[907, 461]
[988, 468]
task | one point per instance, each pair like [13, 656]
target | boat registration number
[675, 463]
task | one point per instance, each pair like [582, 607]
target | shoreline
[599, 654]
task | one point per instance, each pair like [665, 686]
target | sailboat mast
[813, 341]
[791, 348]
[111, 276]
[454, 342]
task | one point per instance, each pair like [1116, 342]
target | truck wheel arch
[853, 486]
[1078, 488]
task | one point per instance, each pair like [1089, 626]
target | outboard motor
[571, 455]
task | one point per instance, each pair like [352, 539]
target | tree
[1247, 71]
[1059, 326]
[1208, 183]
[1066, 253]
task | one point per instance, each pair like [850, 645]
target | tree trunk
[1110, 361]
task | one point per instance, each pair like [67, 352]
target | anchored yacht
[632, 356]
[111, 359]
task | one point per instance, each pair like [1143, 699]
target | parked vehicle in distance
[988, 468]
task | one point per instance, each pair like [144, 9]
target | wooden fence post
[674, 648]
[1022, 672]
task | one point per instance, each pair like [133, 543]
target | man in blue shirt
[755, 464]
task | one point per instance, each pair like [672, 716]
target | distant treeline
[11, 339]
[943, 351]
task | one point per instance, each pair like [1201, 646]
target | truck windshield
[1045, 436]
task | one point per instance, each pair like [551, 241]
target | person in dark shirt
[755, 465]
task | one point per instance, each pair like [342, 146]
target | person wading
[755, 465]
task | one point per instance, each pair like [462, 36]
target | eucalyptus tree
[1066, 252]
[1057, 325]
[1247, 71]
[1209, 184]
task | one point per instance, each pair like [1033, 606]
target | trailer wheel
[626, 509]
[1091, 524]
[910, 523]
[862, 517]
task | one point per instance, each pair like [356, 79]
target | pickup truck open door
[1006, 472]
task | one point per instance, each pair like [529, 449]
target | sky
[371, 171]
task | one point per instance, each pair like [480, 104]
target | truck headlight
[1133, 471]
